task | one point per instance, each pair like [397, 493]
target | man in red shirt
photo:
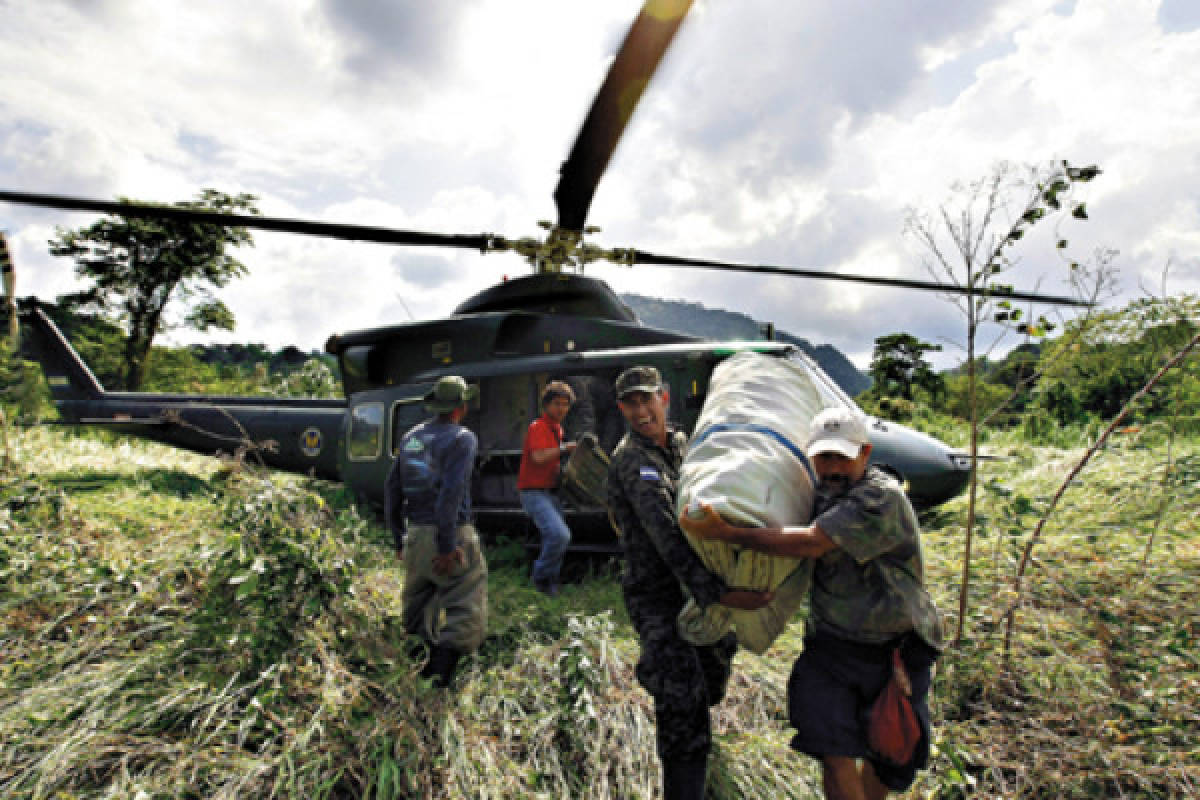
[537, 481]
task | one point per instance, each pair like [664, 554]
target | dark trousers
[830, 692]
[684, 680]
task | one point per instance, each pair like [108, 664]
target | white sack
[746, 459]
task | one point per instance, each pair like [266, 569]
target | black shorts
[830, 692]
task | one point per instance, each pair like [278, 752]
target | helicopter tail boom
[294, 434]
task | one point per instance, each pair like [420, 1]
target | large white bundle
[746, 459]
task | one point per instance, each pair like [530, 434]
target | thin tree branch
[1018, 585]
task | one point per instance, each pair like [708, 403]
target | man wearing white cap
[868, 599]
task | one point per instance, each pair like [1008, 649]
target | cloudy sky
[793, 133]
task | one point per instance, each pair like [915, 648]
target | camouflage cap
[638, 379]
[449, 393]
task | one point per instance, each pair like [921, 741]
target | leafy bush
[988, 396]
[278, 569]
[23, 391]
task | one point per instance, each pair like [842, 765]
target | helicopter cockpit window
[831, 393]
[366, 432]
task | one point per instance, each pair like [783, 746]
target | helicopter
[509, 340]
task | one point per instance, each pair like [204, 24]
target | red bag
[893, 730]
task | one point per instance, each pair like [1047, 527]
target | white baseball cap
[837, 430]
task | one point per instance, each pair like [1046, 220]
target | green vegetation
[1066, 384]
[1102, 368]
[899, 368]
[233, 369]
[178, 627]
[139, 266]
[23, 392]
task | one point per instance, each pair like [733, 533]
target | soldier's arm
[655, 508]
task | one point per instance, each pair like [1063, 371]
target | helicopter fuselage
[578, 331]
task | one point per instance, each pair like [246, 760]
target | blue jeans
[544, 508]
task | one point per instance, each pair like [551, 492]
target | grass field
[171, 626]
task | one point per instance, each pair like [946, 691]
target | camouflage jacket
[871, 588]
[659, 562]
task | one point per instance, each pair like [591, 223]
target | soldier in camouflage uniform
[868, 598]
[660, 567]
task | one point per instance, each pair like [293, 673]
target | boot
[684, 778]
[416, 648]
[443, 661]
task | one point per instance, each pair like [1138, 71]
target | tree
[138, 266]
[898, 366]
[314, 378]
[1117, 353]
[968, 243]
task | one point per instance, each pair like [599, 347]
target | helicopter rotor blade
[358, 233]
[483, 242]
[642, 257]
[631, 70]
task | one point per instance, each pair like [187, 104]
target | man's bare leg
[841, 778]
[872, 788]
[844, 778]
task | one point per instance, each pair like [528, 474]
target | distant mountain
[715, 323]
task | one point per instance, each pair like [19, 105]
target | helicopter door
[406, 411]
[375, 422]
[508, 403]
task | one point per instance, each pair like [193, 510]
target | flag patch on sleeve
[650, 474]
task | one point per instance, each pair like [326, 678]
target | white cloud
[781, 133]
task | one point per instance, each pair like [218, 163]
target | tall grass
[176, 627]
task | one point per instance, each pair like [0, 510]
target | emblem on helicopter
[311, 442]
